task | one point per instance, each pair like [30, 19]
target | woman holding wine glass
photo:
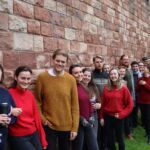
[7, 111]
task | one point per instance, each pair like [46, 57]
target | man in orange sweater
[56, 95]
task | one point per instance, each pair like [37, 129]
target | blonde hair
[110, 83]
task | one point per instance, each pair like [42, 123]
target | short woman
[117, 103]
[143, 89]
[27, 133]
[85, 131]
[92, 89]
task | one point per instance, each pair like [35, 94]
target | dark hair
[2, 77]
[144, 59]
[18, 71]
[72, 67]
[134, 63]
[59, 52]
[92, 88]
[99, 57]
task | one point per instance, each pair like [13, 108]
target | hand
[4, 119]
[117, 115]
[16, 111]
[73, 135]
[47, 123]
[96, 106]
[102, 122]
[44, 147]
[141, 82]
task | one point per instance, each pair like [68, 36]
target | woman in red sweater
[85, 132]
[27, 133]
[117, 103]
[143, 89]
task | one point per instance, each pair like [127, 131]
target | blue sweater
[5, 97]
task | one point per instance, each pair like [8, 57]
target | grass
[139, 142]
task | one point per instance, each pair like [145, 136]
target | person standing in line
[8, 112]
[124, 61]
[86, 134]
[92, 89]
[27, 132]
[117, 103]
[100, 78]
[56, 94]
[136, 75]
[143, 89]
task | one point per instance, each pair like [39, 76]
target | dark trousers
[127, 125]
[145, 113]
[3, 137]
[134, 115]
[114, 131]
[57, 139]
[86, 135]
[29, 142]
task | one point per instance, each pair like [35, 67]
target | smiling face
[86, 77]
[77, 73]
[23, 80]
[114, 75]
[59, 63]
[125, 61]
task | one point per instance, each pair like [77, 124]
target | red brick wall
[30, 30]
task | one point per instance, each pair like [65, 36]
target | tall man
[100, 79]
[124, 61]
[56, 95]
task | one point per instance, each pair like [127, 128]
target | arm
[128, 102]
[39, 100]
[38, 124]
[74, 110]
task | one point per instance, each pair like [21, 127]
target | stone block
[50, 44]
[61, 8]
[6, 40]
[50, 5]
[6, 6]
[79, 35]
[69, 34]
[47, 29]
[17, 23]
[28, 59]
[3, 21]
[59, 31]
[1, 57]
[23, 42]
[42, 14]
[11, 60]
[33, 27]
[38, 43]
[64, 45]
[42, 61]
[76, 23]
[23, 9]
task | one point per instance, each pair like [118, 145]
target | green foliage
[139, 142]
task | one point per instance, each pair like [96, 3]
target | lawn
[139, 142]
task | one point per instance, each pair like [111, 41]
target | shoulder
[69, 76]
[4, 91]
[43, 74]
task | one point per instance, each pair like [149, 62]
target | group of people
[82, 109]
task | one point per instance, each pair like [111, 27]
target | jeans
[57, 139]
[29, 142]
[114, 128]
[86, 135]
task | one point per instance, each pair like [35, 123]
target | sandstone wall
[30, 30]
